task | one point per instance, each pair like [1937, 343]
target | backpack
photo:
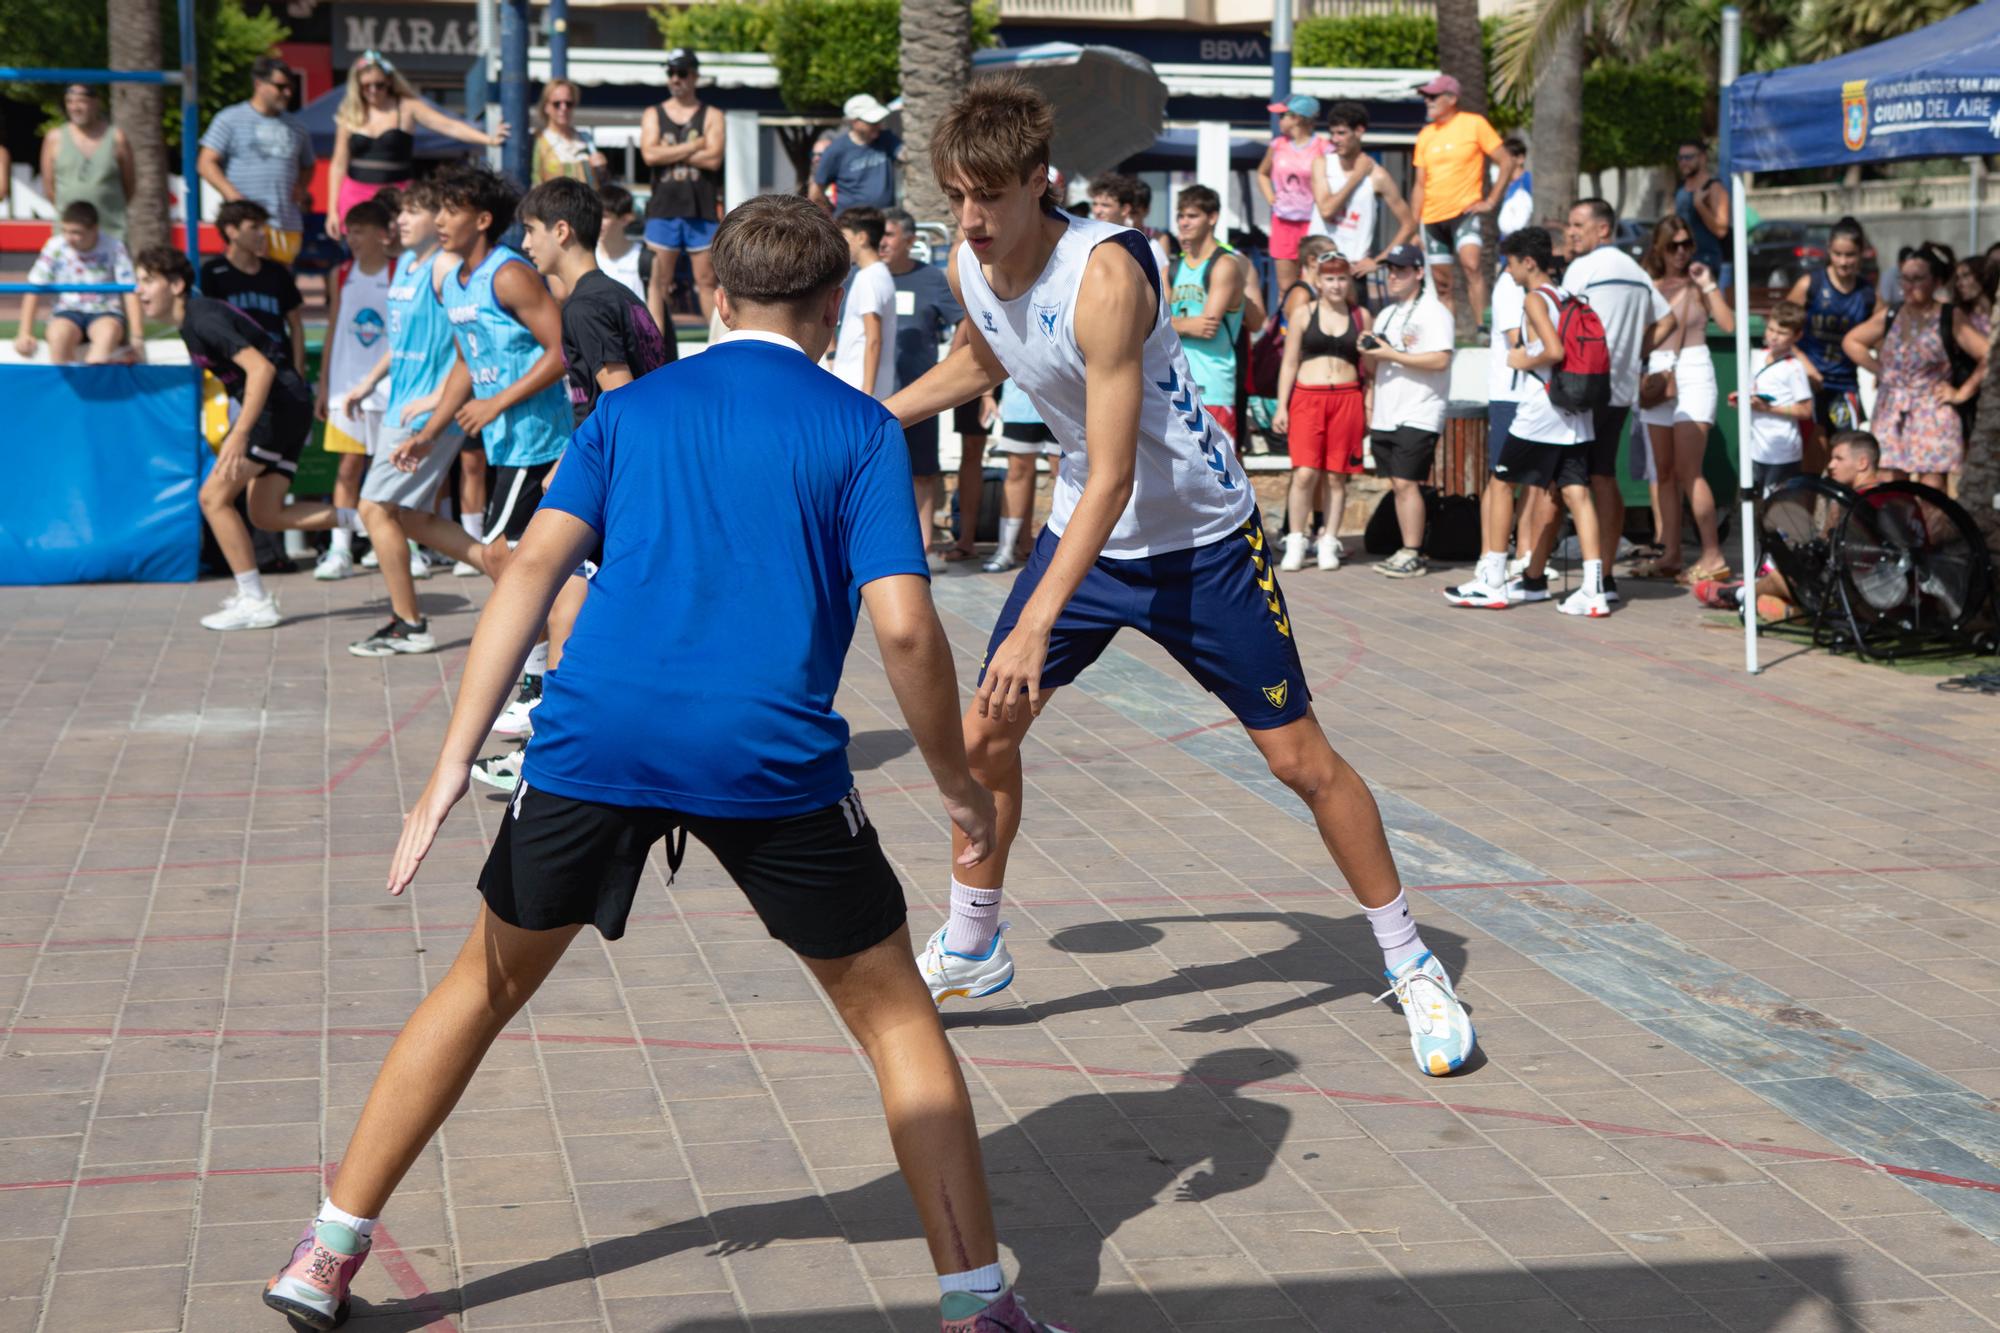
[1581, 382]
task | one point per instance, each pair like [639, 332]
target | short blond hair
[995, 134]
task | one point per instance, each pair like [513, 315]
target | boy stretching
[659, 725]
[260, 454]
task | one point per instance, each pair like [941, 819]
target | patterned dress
[1919, 431]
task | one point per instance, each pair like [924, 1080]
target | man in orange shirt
[1452, 189]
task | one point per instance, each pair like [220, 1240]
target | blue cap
[1299, 104]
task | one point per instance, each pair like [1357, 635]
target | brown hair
[1787, 315]
[421, 195]
[996, 133]
[1655, 261]
[778, 249]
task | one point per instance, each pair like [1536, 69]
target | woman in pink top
[1285, 177]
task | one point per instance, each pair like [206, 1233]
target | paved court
[1732, 945]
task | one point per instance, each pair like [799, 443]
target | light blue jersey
[498, 350]
[420, 343]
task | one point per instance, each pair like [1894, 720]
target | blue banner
[102, 474]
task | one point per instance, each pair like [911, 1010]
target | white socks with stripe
[1396, 931]
[1593, 577]
[975, 919]
[987, 1281]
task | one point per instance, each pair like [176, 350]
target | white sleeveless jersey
[1187, 487]
[1353, 231]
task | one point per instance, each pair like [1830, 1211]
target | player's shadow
[1327, 959]
[1064, 1178]
[867, 750]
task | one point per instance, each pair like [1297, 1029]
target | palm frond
[1531, 31]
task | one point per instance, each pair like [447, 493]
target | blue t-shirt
[743, 497]
[864, 174]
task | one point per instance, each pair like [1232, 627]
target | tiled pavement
[1733, 947]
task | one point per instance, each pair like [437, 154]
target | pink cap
[1443, 83]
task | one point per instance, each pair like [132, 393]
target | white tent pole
[1739, 241]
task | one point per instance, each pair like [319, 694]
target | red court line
[990, 1062]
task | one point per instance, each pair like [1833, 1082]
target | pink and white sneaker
[965, 1312]
[312, 1288]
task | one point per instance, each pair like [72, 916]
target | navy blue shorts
[1216, 609]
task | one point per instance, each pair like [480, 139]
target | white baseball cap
[863, 107]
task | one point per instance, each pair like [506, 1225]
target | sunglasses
[561, 101]
[1683, 243]
[680, 73]
[1432, 97]
[374, 85]
[282, 85]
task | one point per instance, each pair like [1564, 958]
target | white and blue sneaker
[1440, 1029]
[966, 976]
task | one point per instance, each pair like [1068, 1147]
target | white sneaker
[334, 565]
[369, 560]
[517, 719]
[241, 612]
[1581, 603]
[1441, 1033]
[1516, 566]
[501, 770]
[1295, 553]
[420, 565]
[1329, 551]
[465, 569]
[1477, 594]
[1525, 589]
[962, 976]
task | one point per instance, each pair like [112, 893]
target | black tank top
[679, 190]
[388, 158]
[1316, 341]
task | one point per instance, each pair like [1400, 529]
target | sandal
[1687, 578]
[1655, 569]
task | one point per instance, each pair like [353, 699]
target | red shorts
[1225, 417]
[1286, 235]
[1326, 427]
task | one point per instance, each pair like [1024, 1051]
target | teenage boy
[1547, 448]
[865, 353]
[419, 438]
[617, 255]
[1153, 525]
[1782, 400]
[660, 726]
[926, 312]
[357, 331]
[1409, 353]
[1206, 302]
[1350, 205]
[260, 454]
[245, 277]
[105, 325]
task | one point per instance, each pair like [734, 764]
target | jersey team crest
[1854, 114]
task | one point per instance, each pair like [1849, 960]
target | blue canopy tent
[1930, 93]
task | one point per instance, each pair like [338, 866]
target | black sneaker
[1610, 588]
[398, 636]
[1527, 589]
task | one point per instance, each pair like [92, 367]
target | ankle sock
[975, 917]
[250, 585]
[1010, 532]
[538, 660]
[1593, 576]
[984, 1282]
[347, 520]
[363, 1227]
[343, 541]
[1396, 931]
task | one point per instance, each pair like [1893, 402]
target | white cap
[863, 107]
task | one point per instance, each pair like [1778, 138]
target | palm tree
[137, 108]
[937, 64]
[1559, 123]
[1461, 53]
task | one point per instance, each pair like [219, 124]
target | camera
[1368, 342]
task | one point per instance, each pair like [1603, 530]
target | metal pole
[190, 140]
[1732, 48]
[1281, 55]
[558, 16]
[1972, 208]
[514, 88]
[479, 107]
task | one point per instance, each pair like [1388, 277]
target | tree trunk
[937, 64]
[1558, 125]
[137, 108]
[1461, 53]
[1980, 478]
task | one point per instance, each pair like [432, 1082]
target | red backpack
[1582, 381]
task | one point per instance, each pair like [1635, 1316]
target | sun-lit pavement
[1731, 946]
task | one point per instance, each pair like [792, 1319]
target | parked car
[1781, 249]
[1633, 236]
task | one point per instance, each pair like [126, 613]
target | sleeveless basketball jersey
[357, 340]
[498, 350]
[1213, 359]
[1830, 313]
[1187, 488]
[420, 343]
[1353, 231]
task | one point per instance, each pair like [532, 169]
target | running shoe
[968, 1312]
[1722, 596]
[334, 565]
[515, 719]
[966, 976]
[1581, 603]
[421, 565]
[1517, 565]
[312, 1288]
[1440, 1029]
[1329, 551]
[1405, 564]
[369, 560]
[1476, 593]
[1525, 589]
[398, 636]
[244, 612]
[465, 569]
[1295, 553]
[501, 771]
[1611, 588]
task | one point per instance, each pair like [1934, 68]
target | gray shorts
[386, 485]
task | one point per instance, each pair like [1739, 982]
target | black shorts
[511, 496]
[1499, 421]
[965, 419]
[1405, 453]
[281, 432]
[1442, 239]
[1529, 463]
[922, 438]
[1608, 427]
[819, 881]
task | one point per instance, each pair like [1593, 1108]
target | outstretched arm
[967, 371]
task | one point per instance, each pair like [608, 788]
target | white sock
[362, 1226]
[474, 525]
[975, 919]
[1396, 931]
[250, 585]
[1593, 576]
[538, 659]
[343, 541]
[348, 520]
[1010, 532]
[1491, 569]
[986, 1281]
